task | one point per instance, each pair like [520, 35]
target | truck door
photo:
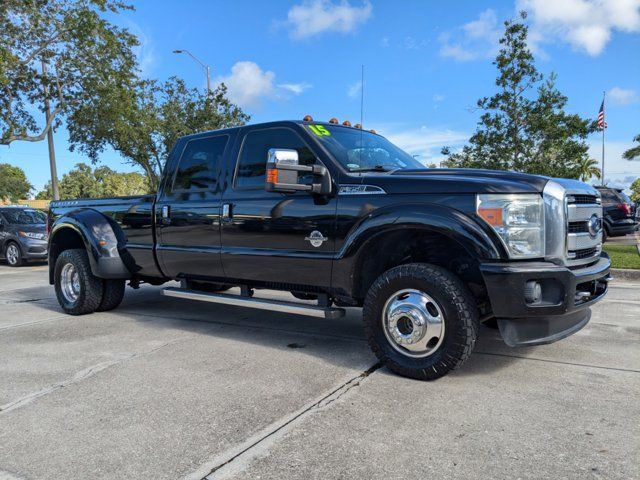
[269, 236]
[188, 209]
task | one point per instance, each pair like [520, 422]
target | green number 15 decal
[320, 130]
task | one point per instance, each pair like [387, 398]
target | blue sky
[426, 64]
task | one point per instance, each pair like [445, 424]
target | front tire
[420, 320]
[13, 255]
[77, 289]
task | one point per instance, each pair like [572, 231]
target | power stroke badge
[316, 238]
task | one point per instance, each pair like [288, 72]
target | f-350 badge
[316, 238]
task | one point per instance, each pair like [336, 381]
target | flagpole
[604, 127]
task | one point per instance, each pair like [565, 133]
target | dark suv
[618, 212]
[23, 235]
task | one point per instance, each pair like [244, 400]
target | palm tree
[633, 152]
[587, 168]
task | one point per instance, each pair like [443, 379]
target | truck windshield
[24, 217]
[360, 151]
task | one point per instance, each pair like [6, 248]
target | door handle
[226, 212]
[166, 215]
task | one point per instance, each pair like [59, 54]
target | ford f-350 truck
[342, 217]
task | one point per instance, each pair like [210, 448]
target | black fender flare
[479, 240]
[103, 239]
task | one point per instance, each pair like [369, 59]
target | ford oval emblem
[595, 225]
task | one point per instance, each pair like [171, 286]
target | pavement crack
[35, 322]
[29, 300]
[80, 376]
[259, 443]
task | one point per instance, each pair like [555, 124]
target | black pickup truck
[340, 217]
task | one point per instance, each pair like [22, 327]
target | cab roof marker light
[307, 118]
[373, 131]
[357, 125]
[346, 123]
[333, 121]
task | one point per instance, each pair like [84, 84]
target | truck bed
[134, 214]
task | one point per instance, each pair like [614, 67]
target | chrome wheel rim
[13, 254]
[413, 323]
[70, 283]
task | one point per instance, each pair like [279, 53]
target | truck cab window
[198, 164]
[253, 157]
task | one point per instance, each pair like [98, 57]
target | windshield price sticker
[319, 130]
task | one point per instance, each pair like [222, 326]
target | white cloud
[295, 88]
[145, 50]
[354, 90]
[473, 40]
[384, 42]
[248, 84]
[313, 17]
[483, 27]
[411, 43]
[587, 25]
[438, 97]
[623, 96]
[425, 142]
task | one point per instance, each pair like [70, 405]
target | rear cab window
[199, 163]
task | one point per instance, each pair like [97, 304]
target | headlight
[519, 221]
[37, 236]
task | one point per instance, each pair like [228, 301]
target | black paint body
[263, 240]
[249, 236]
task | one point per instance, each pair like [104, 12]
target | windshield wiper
[377, 168]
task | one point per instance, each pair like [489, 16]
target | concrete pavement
[166, 388]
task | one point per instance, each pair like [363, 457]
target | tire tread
[112, 296]
[466, 326]
[93, 287]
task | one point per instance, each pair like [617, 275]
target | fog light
[532, 292]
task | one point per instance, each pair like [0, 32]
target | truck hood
[457, 180]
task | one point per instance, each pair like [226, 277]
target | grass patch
[623, 256]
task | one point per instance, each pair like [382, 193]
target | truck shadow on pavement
[340, 342]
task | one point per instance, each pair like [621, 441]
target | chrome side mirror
[283, 169]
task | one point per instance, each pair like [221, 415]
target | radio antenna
[361, 96]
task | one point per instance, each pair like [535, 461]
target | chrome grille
[584, 253]
[581, 247]
[582, 199]
[578, 227]
[569, 207]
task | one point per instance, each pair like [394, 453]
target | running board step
[261, 303]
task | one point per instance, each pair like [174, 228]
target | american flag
[601, 123]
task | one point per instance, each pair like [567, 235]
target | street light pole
[204, 66]
[55, 191]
